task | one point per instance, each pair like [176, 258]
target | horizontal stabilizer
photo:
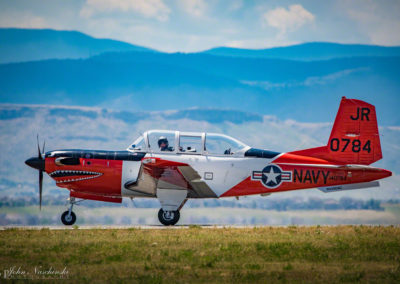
[349, 186]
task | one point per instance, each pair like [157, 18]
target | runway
[176, 227]
[136, 227]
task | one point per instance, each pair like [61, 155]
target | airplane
[175, 166]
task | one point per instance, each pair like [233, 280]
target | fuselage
[116, 174]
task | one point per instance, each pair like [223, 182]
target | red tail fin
[354, 138]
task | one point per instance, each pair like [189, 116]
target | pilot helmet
[162, 139]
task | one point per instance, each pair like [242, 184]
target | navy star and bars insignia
[272, 176]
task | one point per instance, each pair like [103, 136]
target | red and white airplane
[174, 166]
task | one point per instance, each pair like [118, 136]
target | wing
[200, 189]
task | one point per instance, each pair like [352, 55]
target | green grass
[196, 254]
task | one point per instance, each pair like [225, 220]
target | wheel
[168, 218]
[68, 219]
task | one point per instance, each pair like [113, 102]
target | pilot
[163, 144]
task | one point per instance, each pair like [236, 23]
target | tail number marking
[363, 112]
[356, 145]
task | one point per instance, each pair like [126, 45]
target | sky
[196, 25]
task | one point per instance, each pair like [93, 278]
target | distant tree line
[284, 204]
[288, 204]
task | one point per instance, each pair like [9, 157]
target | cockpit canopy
[200, 143]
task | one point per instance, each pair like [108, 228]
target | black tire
[68, 220]
[168, 218]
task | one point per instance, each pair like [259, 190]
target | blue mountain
[145, 81]
[71, 68]
[18, 45]
[309, 51]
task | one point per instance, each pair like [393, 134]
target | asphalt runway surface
[145, 227]
[176, 227]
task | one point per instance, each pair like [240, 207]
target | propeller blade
[39, 164]
[38, 147]
[40, 188]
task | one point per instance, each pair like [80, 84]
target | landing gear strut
[172, 201]
[68, 217]
[168, 218]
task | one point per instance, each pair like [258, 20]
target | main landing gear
[172, 201]
[168, 218]
[68, 217]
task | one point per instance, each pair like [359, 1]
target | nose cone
[36, 163]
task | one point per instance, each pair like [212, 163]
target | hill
[71, 68]
[156, 81]
[18, 45]
[309, 51]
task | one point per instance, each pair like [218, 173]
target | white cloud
[288, 20]
[235, 44]
[259, 43]
[195, 8]
[381, 23]
[23, 20]
[148, 8]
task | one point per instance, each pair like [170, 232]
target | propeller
[40, 171]
[39, 164]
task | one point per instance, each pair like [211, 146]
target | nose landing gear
[68, 218]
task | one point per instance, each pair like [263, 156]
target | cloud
[195, 8]
[380, 23]
[148, 8]
[288, 20]
[23, 20]
[259, 43]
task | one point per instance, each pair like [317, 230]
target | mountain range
[303, 82]
[17, 45]
[309, 51]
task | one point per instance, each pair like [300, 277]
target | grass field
[197, 254]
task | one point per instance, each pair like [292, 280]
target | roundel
[271, 176]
